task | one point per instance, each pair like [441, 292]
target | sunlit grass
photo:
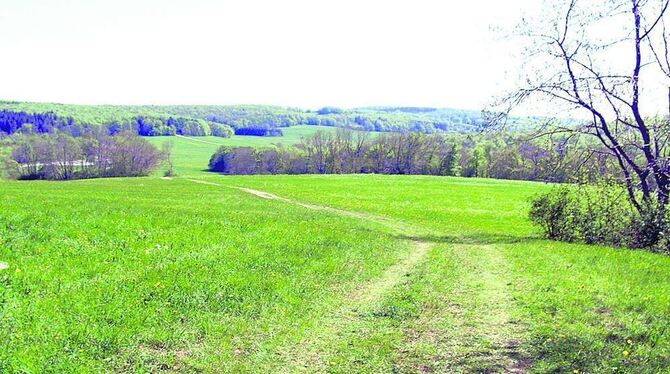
[147, 275]
[143, 274]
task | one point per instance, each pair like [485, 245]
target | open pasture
[313, 273]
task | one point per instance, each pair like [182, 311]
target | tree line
[254, 131]
[61, 156]
[348, 152]
[145, 125]
[379, 119]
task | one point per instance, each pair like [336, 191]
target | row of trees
[12, 122]
[347, 151]
[39, 123]
[382, 119]
[255, 131]
[60, 156]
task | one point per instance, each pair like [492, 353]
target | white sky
[305, 53]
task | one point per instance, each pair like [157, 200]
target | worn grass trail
[485, 337]
[189, 138]
[319, 349]
[472, 328]
[397, 227]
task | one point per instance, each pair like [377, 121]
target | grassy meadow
[347, 273]
[193, 153]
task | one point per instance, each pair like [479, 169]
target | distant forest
[205, 120]
[145, 125]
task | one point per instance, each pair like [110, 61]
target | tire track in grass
[198, 181]
[500, 329]
[482, 337]
[393, 275]
[197, 140]
[396, 227]
[311, 354]
[307, 354]
[474, 330]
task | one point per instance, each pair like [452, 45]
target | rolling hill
[154, 120]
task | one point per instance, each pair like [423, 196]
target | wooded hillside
[198, 120]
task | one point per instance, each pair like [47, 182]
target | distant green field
[334, 274]
[192, 154]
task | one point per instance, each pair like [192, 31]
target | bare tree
[166, 151]
[68, 156]
[604, 60]
[314, 147]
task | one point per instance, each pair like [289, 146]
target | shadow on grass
[473, 239]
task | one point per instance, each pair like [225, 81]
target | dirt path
[482, 335]
[263, 195]
[498, 327]
[197, 140]
[396, 227]
[479, 335]
[306, 354]
[393, 275]
[198, 181]
[311, 354]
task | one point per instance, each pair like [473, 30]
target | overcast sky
[303, 53]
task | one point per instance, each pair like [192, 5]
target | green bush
[600, 214]
[220, 130]
[646, 229]
[551, 211]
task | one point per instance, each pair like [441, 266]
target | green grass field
[194, 152]
[360, 273]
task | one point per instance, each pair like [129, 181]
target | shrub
[551, 211]
[238, 160]
[646, 228]
[600, 214]
[218, 160]
[9, 169]
[220, 130]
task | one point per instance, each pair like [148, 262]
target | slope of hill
[362, 273]
[154, 118]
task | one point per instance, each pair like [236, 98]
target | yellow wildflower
[626, 353]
